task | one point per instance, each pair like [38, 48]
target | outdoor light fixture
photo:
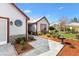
[11, 23]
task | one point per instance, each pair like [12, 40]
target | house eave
[27, 18]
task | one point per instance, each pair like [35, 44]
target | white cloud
[60, 8]
[27, 11]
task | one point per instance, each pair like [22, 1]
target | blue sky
[53, 11]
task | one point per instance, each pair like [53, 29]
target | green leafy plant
[50, 32]
[77, 36]
[51, 28]
[48, 35]
[39, 33]
[23, 47]
[18, 40]
[22, 42]
[32, 38]
[55, 33]
[68, 30]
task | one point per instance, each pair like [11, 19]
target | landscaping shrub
[18, 40]
[77, 36]
[58, 35]
[68, 30]
[32, 38]
[51, 28]
[50, 32]
[48, 35]
[40, 33]
[55, 33]
[22, 42]
[32, 33]
[23, 47]
[23, 38]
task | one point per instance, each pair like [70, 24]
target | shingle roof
[37, 20]
[73, 24]
[34, 20]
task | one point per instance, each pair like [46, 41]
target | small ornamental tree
[51, 28]
[68, 30]
[53, 32]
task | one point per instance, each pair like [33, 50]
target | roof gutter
[27, 18]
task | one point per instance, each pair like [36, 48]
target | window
[18, 23]
[43, 27]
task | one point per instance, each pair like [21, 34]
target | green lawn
[68, 35]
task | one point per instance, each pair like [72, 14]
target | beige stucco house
[13, 23]
[73, 26]
[38, 25]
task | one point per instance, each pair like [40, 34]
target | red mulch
[26, 49]
[67, 50]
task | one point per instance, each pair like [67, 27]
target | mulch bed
[26, 49]
[71, 47]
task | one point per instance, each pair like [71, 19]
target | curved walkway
[44, 47]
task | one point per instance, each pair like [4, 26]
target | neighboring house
[38, 25]
[13, 23]
[73, 26]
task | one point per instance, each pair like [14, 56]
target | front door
[3, 30]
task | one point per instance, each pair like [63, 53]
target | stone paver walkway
[7, 50]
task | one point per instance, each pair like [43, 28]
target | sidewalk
[7, 50]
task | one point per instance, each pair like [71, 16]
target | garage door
[3, 31]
